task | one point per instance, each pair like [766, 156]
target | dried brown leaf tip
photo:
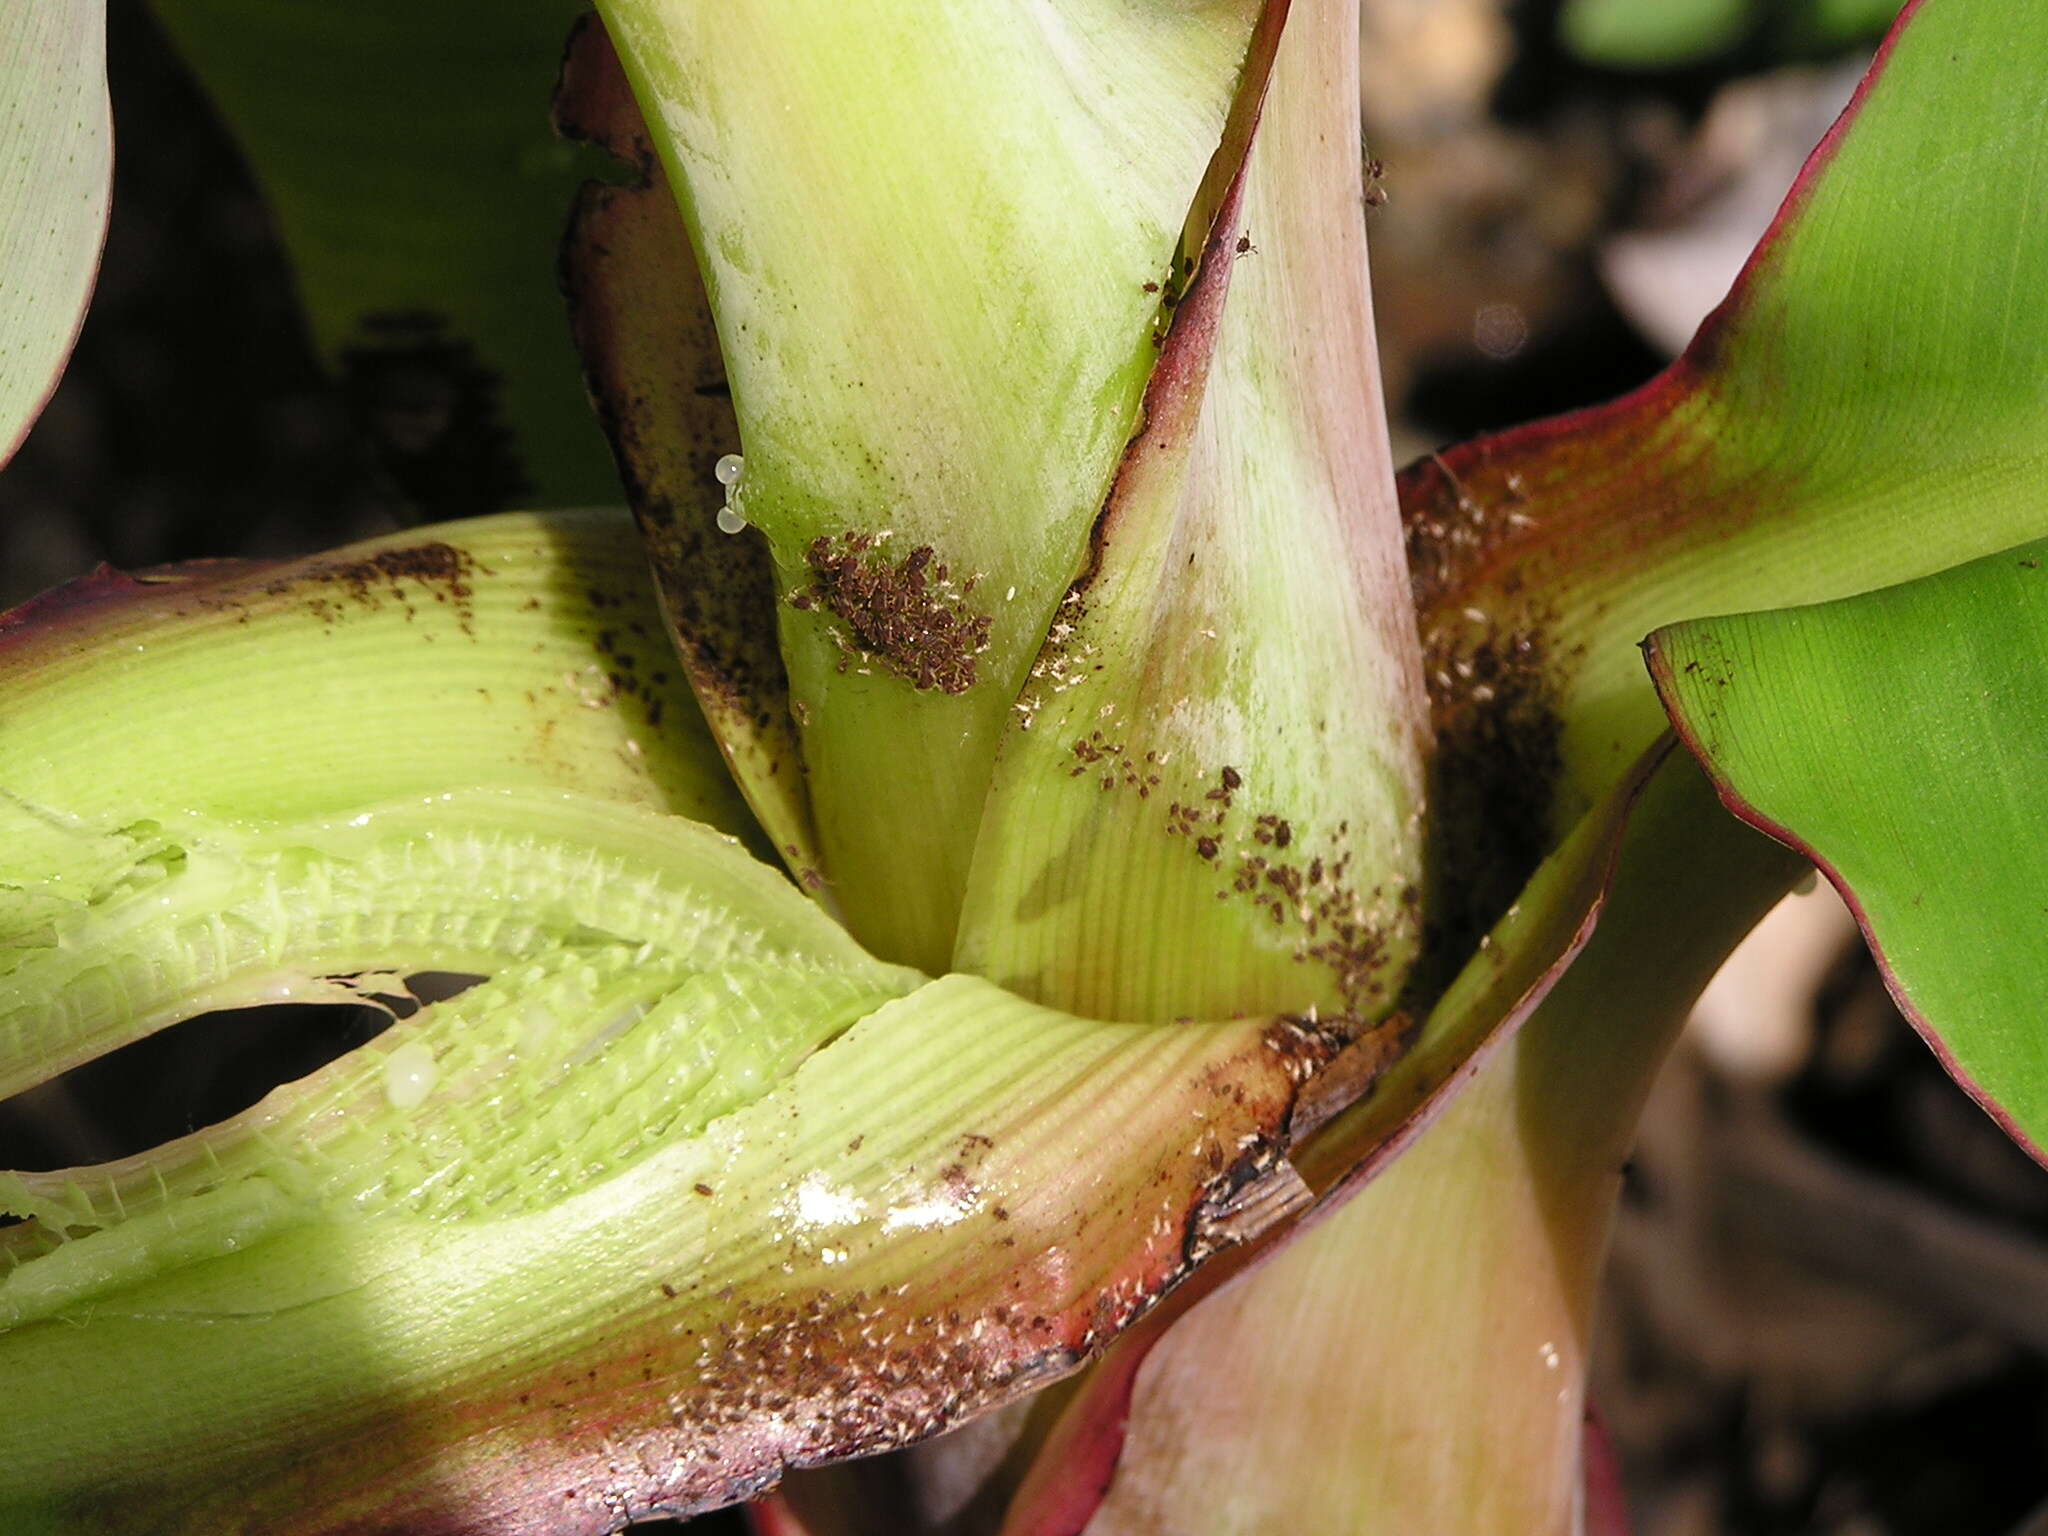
[909, 616]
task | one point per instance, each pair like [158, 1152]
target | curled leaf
[1894, 737]
[511, 651]
[936, 361]
[898, 1235]
[688, 1190]
[1223, 736]
[1864, 407]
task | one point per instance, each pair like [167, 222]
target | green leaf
[406, 153]
[1896, 739]
[1222, 739]
[936, 355]
[948, 1206]
[189, 913]
[689, 1189]
[509, 652]
[1457, 1288]
[1867, 406]
[56, 180]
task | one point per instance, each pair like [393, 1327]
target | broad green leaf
[1222, 739]
[1427, 1333]
[1867, 406]
[508, 652]
[644, 326]
[1896, 739]
[56, 180]
[948, 1206]
[937, 240]
[406, 153]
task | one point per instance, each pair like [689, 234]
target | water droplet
[731, 519]
[410, 1073]
[728, 468]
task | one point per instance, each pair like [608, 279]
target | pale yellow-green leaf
[935, 238]
[1208, 799]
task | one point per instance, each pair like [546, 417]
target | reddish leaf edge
[63, 363]
[1072, 1473]
[107, 590]
[1691, 368]
[1739, 807]
[1606, 1500]
[1172, 399]
[1333, 1170]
